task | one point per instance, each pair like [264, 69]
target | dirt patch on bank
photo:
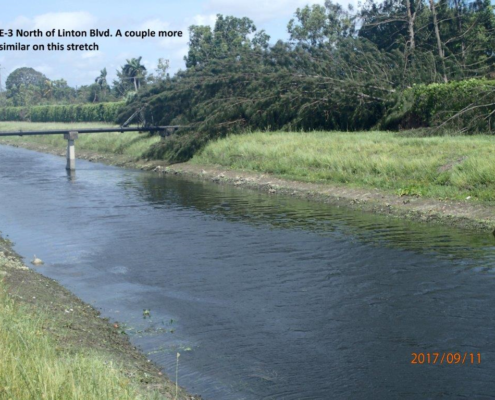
[464, 214]
[77, 326]
[454, 213]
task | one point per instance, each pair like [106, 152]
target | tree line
[28, 87]
[383, 64]
[341, 69]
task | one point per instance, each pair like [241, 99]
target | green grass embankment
[35, 362]
[55, 346]
[33, 367]
[447, 167]
[441, 167]
[132, 144]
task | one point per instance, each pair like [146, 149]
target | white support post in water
[71, 150]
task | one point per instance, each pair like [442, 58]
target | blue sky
[80, 68]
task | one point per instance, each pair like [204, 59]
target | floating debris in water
[37, 261]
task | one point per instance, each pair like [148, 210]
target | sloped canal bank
[263, 296]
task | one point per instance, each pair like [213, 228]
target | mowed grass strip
[447, 167]
[132, 144]
[33, 367]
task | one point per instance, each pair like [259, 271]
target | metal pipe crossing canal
[72, 135]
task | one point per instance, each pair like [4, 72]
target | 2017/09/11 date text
[446, 358]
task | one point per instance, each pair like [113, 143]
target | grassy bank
[448, 167]
[54, 346]
[449, 179]
[131, 144]
[34, 368]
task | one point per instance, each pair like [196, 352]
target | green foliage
[229, 38]
[280, 88]
[26, 86]
[329, 76]
[467, 106]
[130, 78]
[133, 145]
[135, 71]
[24, 76]
[441, 167]
[14, 113]
[409, 191]
[100, 112]
[341, 70]
[465, 32]
[35, 366]
[318, 25]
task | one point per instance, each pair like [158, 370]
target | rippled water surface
[265, 297]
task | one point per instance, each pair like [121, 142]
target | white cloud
[180, 53]
[154, 24]
[175, 42]
[206, 19]
[21, 22]
[82, 67]
[67, 20]
[44, 69]
[91, 54]
[178, 45]
[259, 10]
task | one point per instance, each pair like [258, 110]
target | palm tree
[135, 70]
[101, 81]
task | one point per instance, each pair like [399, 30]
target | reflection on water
[288, 213]
[264, 296]
[71, 174]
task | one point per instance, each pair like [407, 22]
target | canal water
[264, 297]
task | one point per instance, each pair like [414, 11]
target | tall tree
[27, 86]
[231, 38]
[162, 68]
[101, 81]
[441, 53]
[24, 76]
[392, 24]
[134, 70]
[320, 25]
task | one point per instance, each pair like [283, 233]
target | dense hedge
[101, 112]
[468, 106]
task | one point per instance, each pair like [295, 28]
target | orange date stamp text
[446, 358]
